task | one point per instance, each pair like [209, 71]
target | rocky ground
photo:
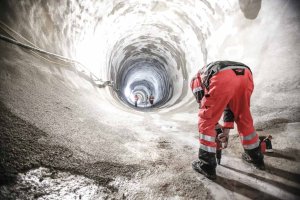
[32, 168]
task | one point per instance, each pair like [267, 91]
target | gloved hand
[223, 137]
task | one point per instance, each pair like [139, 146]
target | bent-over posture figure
[224, 86]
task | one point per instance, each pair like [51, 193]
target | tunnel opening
[144, 77]
[117, 41]
[146, 67]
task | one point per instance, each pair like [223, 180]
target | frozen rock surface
[43, 183]
[55, 119]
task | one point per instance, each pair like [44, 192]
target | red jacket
[225, 87]
[136, 98]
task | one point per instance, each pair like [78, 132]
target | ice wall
[155, 47]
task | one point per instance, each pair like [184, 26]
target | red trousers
[227, 89]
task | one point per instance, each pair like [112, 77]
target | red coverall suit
[225, 86]
[228, 116]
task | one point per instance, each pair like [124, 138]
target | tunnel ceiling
[145, 47]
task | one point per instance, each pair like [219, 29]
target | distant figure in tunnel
[146, 100]
[136, 98]
[224, 87]
[151, 99]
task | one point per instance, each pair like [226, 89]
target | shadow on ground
[243, 189]
[21, 151]
[288, 154]
[283, 174]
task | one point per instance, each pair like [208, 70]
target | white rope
[34, 48]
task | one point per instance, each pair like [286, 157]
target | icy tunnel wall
[155, 47]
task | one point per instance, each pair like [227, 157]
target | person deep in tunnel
[224, 86]
[151, 100]
[136, 98]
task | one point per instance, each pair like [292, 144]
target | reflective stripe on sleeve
[197, 89]
[251, 146]
[249, 137]
[208, 149]
[207, 137]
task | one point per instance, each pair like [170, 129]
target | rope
[34, 48]
[35, 53]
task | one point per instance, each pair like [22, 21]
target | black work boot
[206, 164]
[255, 157]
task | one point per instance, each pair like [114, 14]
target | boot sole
[204, 173]
[248, 160]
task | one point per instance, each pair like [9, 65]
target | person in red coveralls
[136, 98]
[224, 87]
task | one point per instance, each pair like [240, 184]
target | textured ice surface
[43, 183]
[155, 47]
[149, 46]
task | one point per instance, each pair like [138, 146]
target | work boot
[206, 164]
[255, 157]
